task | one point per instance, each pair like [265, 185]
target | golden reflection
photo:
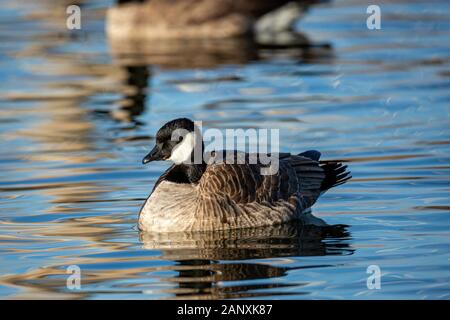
[63, 134]
[200, 265]
[49, 280]
[59, 139]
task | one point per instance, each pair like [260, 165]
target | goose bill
[153, 155]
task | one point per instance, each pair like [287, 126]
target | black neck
[187, 172]
[192, 172]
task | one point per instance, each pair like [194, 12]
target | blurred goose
[183, 19]
[218, 195]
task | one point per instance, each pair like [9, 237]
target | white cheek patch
[182, 151]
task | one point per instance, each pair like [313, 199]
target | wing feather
[238, 189]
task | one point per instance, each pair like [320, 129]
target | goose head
[176, 141]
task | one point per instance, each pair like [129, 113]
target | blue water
[78, 113]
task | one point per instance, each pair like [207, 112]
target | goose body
[224, 195]
[187, 19]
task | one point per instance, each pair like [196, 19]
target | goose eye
[180, 139]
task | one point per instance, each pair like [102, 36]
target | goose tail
[335, 174]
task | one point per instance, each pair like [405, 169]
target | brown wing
[298, 178]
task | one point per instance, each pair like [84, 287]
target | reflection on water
[132, 105]
[189, 54]
[286, 240]
[197, 256]
[193, 264]
[78, 112]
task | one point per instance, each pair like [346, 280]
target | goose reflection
[136, 57]
[275, 35]
[206, 54]
[206, 259]
[136, 60]
[135, 88]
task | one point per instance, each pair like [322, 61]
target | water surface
[78, 113]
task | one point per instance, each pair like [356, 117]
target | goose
[207, 19]
[213, 194]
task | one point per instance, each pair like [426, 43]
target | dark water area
[78, 113]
